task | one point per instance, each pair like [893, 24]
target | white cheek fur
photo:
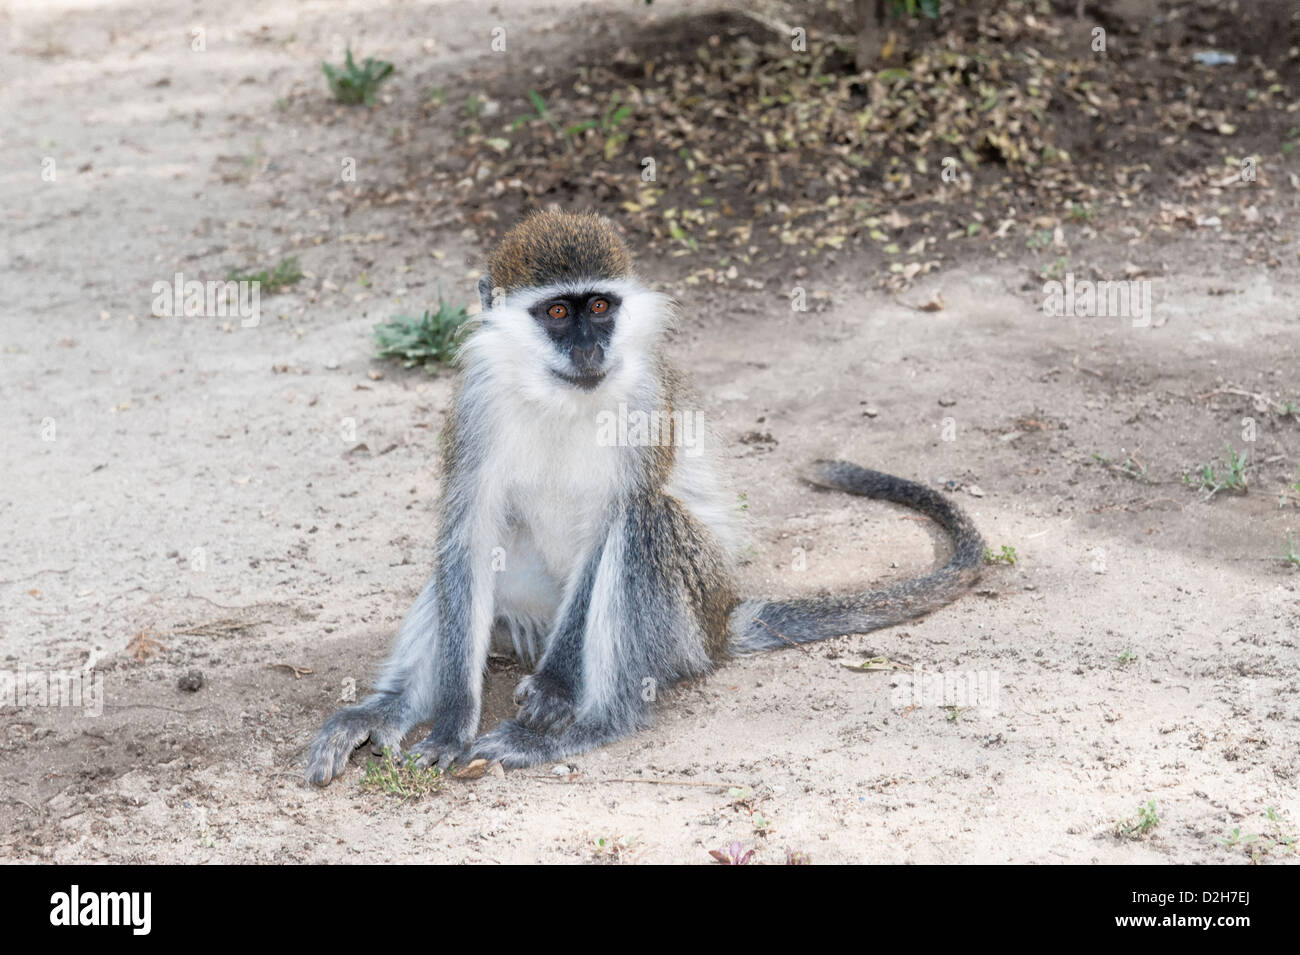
[513, 349]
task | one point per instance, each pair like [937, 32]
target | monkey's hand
[540, 732]
[545, 704]
[345, 731]
[438, 750]
[517, 746]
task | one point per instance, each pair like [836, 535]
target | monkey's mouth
[586, 382]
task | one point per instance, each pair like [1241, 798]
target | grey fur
[615, 590]
[643, 582]
[772, 624]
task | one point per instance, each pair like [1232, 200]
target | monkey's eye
[558, 312]
[599, 306]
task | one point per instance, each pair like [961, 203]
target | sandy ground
[1145, 644]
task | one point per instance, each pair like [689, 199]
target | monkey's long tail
[770, 624]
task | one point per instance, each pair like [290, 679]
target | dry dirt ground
[165, 475]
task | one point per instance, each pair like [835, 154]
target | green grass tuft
[402, 779]
[1008, 555]
[282, 276]
[1231, 476]
[429, 340]
[352, 84]
[1147, 820]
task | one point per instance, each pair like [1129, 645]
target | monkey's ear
[485, 291]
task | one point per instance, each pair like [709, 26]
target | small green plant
[608, 124]
[911, 8]
[1039, 240]
[1131, 467]
[429, 340]
[1147, 819]
[1008, 555]
[1277, 839]
[1056, 271]
[1292, 139]
[1078, 212]
[1125, 658]
[681, 235]
[1291, 493]
[352, 84]
[282, 276]
[405, 779]
[742, 797]
[472, 112]
[611, 849]
[254, 161]
[1291, 557]
[1230, 477]
[955, 713]
[540, 111]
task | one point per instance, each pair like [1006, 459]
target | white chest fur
[553, 485]
[560, 485]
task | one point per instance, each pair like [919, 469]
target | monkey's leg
[436, 668]
[548, 697]
[627, 627]
[401, 698]
[459, 657]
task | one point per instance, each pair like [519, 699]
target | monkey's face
[570, 344]
[580, 325]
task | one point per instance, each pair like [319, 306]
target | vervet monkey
[605, 566]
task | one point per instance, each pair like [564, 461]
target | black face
[580, 326]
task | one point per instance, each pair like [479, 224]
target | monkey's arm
[437, 663]
[631, 625]
[458, 658]
[436, 667]
[549, 697]
[400, 700]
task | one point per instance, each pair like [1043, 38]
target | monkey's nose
[588, 357]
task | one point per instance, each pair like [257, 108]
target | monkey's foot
[436, 750]
[344, 732]
[517, 746]
[544, 706]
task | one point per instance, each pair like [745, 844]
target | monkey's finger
[328, 759]
[523, 689]
[342, 733]
[430, 753]
[322, 764]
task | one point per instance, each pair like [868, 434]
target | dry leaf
[473, 770]
[936, 303]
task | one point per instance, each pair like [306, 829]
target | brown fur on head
[550, 247]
